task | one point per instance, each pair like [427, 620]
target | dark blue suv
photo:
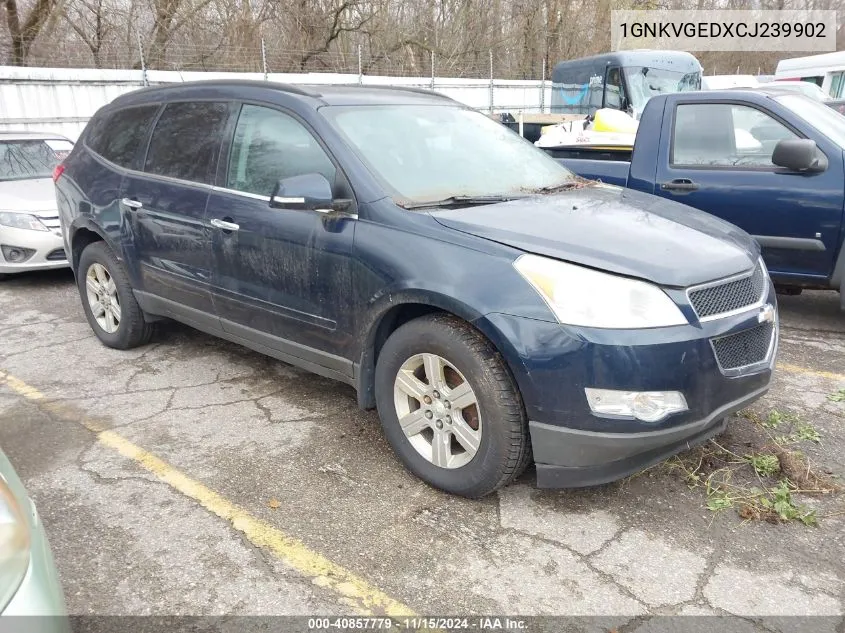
[490, 304]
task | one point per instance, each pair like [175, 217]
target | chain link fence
[272, 57]
[61, 92]
[472, 79]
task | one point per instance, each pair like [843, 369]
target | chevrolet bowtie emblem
[767, 314]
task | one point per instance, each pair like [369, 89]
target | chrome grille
[50, 221]
[745, 348]
[727, 296]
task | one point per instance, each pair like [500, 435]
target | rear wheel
[107, 299]
[450, 408]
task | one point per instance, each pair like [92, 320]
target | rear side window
[185, 141]
[118, 136]
[95, 133]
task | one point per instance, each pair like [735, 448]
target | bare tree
[395, 36]
[87, 18]
[24, 30]
[169, 17]
[342, 17]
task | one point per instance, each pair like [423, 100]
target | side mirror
[311, 192]
[799, 154]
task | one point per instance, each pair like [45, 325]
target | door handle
[132, 204]
[679, 184]
[224, 225]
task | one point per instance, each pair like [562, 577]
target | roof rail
[424, 91]
[258, 83]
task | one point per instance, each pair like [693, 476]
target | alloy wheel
[102, 298]
[437, 410]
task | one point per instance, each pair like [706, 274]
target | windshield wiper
[460, 201]
[575, 183]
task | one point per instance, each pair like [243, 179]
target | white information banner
[756, 30]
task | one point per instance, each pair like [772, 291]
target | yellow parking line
[21, 387]
[355, 591]
[796, 369]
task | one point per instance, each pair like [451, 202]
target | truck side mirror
[311, 192]
[799, 154]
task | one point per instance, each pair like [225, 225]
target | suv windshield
[25, 159]
[426, 153]
[825, 119]
[645, 82]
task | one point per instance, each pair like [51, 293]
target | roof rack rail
[293, 89]
[424, 91]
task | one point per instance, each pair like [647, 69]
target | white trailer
[826, 70]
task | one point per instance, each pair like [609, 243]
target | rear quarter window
[186, 140]
[117, 137]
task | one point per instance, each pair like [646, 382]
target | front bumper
[48, 247]
[553, 364]
[572, 458]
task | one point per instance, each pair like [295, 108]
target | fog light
[16, 254]
[648, 406]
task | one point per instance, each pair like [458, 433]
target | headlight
[582, 296]
[14, 544]
[21, 221]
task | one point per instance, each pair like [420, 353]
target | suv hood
[31, 195]
[616, 230]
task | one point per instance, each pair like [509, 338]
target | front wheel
[449, 407]
[108, 301]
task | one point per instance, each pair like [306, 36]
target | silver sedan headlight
[16, 220]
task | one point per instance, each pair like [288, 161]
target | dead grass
[758, 469]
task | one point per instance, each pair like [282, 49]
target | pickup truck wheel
[449, 407]
[107, 299]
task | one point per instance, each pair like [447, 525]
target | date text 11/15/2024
[417, 623]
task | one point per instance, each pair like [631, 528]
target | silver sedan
[30, 235]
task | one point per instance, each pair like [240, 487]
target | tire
[504, 447]
[131, 329]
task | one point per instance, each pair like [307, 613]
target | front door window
[270, 146]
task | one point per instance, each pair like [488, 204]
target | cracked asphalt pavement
[260, 433]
